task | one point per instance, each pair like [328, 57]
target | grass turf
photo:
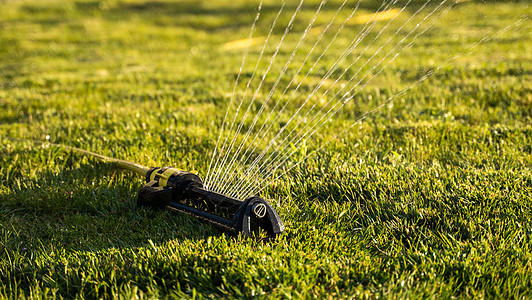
[428, 197]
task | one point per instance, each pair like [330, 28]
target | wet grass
[428, 197]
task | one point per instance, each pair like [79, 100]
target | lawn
[428, 196]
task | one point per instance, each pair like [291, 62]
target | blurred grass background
[428, 197]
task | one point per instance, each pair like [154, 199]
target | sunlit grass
[430, 196]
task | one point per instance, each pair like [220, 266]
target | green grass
[430, 197]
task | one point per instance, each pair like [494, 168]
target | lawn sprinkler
[182, 191]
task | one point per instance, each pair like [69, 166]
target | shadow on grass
[64, 229]
[88, 208]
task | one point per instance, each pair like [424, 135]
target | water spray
[182, 191]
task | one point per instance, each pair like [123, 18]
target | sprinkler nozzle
[183, 191]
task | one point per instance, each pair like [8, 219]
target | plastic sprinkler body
[183, 191]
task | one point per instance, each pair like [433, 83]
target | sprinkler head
[182, 191]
